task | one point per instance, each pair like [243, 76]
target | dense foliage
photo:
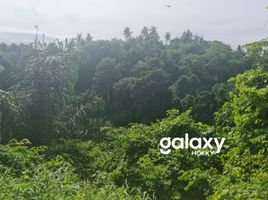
[94, 111]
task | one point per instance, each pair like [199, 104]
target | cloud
[234, 22]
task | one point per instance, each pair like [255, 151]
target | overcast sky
[232, 21]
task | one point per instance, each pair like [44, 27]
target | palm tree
[127, 33]
[167, 37]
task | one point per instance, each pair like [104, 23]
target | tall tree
[106, 74]
[43, 91]
[167, 37]
[127, 33]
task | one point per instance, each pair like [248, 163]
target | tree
[5, 70]
[82, 117]
[9, 117]
[106, 74]
[142, 98]
[153, 34]
[243, 121]
[145, 33]
[42, 92]
[187, 36]
[184, 85]
[127, 33]
[167, 37]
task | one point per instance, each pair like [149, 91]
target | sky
[231, 21]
